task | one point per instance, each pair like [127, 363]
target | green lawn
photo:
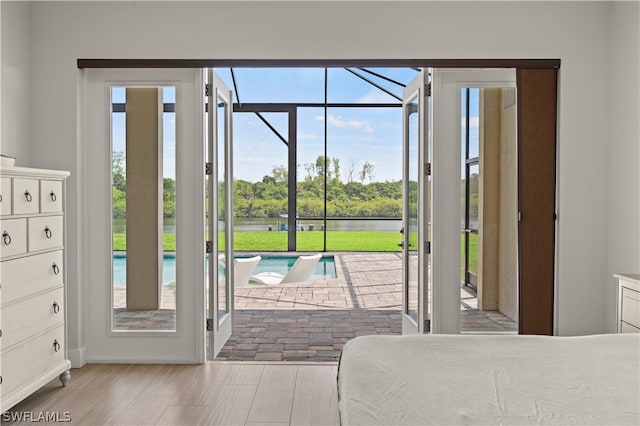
[473, 254]
[120, 242]
[307, 241]
[313, 241]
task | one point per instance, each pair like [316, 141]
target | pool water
[324, 270]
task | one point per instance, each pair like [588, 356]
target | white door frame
[446, 84]
[417, 89]
[220, 325]
[186, 343]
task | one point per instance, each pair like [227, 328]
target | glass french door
[142, 225]
[416, 206]
[219, 183]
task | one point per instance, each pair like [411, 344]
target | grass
[168, 243]
[307, 241]
[314, 241]
[473, 254]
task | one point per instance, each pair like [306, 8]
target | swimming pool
[324, 270]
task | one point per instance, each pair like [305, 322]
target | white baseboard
[78, 357]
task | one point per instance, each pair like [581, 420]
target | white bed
[490, 380]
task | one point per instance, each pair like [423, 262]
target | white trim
[78, 357]
[186, 343]
[447, 84]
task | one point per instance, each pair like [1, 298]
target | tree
[280, 174]
[311, 171]
[366, 172]
[352, 170]
[321, 162]
[168, 197]
[336, 168]
[118, 171]
[119, 200]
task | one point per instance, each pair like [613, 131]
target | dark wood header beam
[318, 63]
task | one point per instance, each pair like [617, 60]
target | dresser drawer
[28, 275]
[45, 232]
[22, 320]
[630, 307]
[24, 363]
[50, 196]
[26, 196]
[5, 196]
[14, 237]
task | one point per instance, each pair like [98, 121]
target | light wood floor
[216, 393]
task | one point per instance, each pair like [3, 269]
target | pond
[262, 224]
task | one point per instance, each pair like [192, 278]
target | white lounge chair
[242, 270]
[299, 272]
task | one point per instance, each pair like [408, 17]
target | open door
[219, 177]
[145, 298]
[416, 206]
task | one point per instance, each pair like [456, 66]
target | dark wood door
[537, 113]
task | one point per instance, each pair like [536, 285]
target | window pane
[260, 183]
[345, 87]
[310, 177]
[474, 122]
[143, 209]
[223, 305]
[413, 118]
[273, 85]
[364, 186]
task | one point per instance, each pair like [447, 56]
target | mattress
[490, 380]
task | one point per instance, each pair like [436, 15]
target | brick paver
[311, 321]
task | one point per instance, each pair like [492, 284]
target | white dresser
[628, 320]
[32, 298]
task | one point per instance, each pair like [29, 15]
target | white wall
[580, 34]
[623, 248]
[14, 77]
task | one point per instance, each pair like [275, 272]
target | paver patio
[311, 321]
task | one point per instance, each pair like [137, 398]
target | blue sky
[354, 135]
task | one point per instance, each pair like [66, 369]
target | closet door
[537, 112]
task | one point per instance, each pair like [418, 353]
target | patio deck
[311, 321]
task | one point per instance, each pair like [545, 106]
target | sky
[354, 135]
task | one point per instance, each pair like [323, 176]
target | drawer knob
[56, 346]
[47, 232]
[53, 196]
[0, 198]
[6, 238]
[56, 269]
[56, 307]
[0, 380]
[27, 196]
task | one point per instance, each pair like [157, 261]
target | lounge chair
[299, 272]
[243, 268]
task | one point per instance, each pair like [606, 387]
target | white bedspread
[490, 380]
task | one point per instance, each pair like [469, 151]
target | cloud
[341, 123]
[473, 122]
